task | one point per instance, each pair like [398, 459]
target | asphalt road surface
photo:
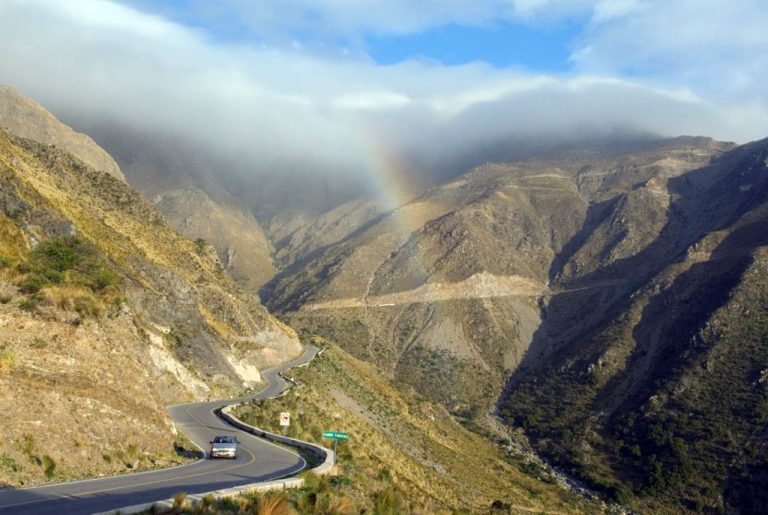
[257, 460]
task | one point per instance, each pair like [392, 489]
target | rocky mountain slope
[444, 292]
[182, 182]
[243, 249]
[619, 296]
[653, 380]
[622, 295]
[108, 314]
[300, 237]
[28, 119]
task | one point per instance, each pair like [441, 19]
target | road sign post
[335, 436]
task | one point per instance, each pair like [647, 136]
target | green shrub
[389, 502]
[70, 262]
[200, 245]
[59, 254]
[33, 283]
[27, 445]
[9, 463]
[104, 279]
[88, 306]
[38, 343]
[49, 466]
[31, 303]
[7, 359]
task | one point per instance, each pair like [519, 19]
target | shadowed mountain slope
[184, 184]
[653, 384]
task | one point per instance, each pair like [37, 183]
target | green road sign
[335, 435]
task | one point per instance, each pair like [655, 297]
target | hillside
[243, 249]
[107, 315]
[653, 385]
[444, 293]
[183, 182]
[299, 238]
[28, 119]
[406, 445]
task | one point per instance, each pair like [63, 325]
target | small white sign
[285, 418]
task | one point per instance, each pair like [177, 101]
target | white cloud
[279, 108]
[717, 48]
[607, 10]
[372, 100]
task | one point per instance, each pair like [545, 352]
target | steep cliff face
[107, 315]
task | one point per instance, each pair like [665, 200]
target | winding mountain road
[258, 460]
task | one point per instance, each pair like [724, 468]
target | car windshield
[224, 439]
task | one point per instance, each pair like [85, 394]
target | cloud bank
[670, 68]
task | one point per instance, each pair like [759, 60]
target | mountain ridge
[28, 119]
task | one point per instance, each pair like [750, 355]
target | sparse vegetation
[69, 234]
[7, 358]
[179, 501]
[9, 463]
[200, 246]
[38, 343]
[677, 443]
[184, 447]
[403, 452]
[49, 466]
[317, 498]
[67, 272]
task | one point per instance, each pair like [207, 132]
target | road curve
[258, 460]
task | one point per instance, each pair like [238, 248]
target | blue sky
[503, 42]
[542, 48]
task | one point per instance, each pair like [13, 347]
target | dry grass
[401, 447]
[74, 298]
[7, 360]
[179, 500]
[276, 504]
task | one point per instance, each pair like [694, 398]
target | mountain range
[609, 303]
[606, 298]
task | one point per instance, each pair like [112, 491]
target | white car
[224, 447]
